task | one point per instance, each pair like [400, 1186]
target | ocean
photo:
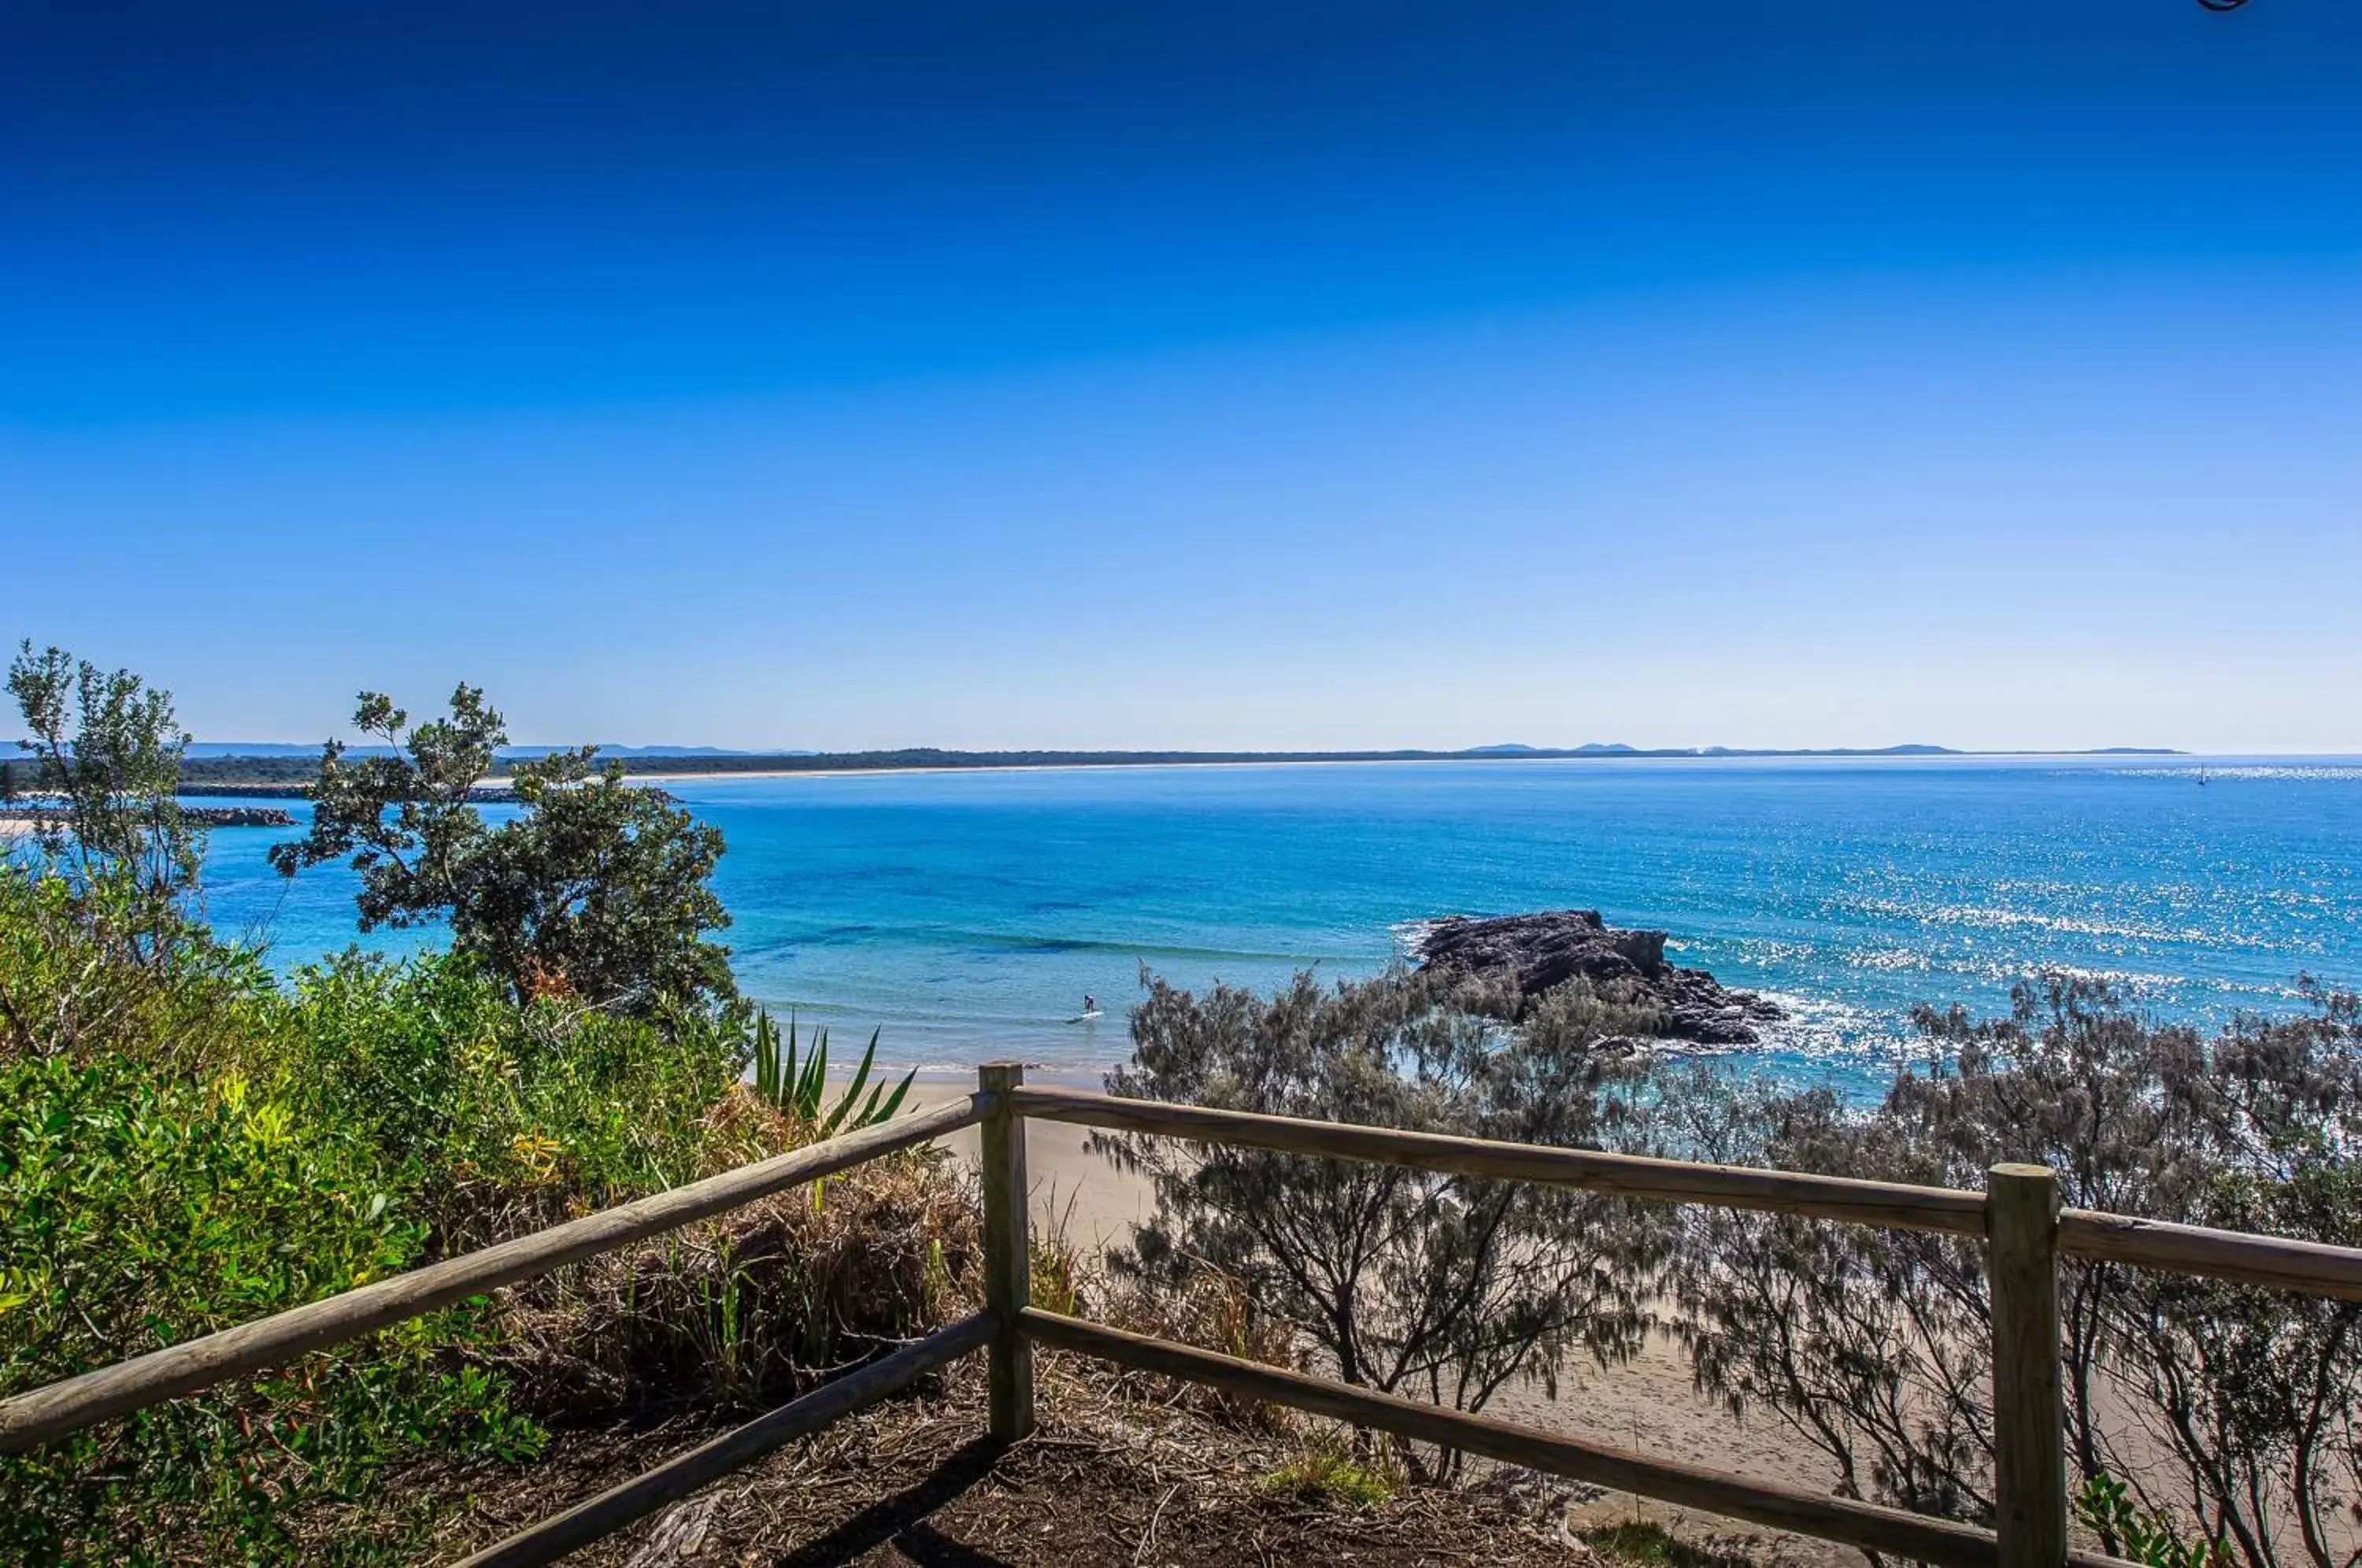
[967, 914]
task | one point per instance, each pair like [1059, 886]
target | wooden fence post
[1007, 1255]
[2029, 1429]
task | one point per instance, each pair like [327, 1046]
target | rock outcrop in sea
[238, 816]
[1538, 951]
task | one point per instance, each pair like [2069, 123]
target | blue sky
[1653, 370]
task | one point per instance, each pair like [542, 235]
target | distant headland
[223, 767]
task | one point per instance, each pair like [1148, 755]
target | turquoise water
[967, 913]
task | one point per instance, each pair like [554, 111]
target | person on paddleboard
[1089, 1005]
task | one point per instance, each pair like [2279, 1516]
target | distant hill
[284, 770]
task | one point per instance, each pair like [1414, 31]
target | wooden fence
[2017, 1216]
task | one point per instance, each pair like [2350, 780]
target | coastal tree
[1866, 1344]
[2256, 1128]
[103, 759]
[2260, 1392]
[595, 889]
[1871, 1344]
[1445, 1287]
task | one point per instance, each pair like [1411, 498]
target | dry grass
[1211, 1310]
[743, 1311]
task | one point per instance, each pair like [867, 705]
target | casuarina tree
[1442, 1287]
[2241, 1406]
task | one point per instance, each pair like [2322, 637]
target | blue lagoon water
[968, 913]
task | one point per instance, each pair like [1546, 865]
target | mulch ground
[1116, 1475]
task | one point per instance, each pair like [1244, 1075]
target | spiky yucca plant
[797, 1086]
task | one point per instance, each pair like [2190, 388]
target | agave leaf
[790, 1071]
[768, 1084]
[894, 1101]
[853, 1089]
[815, 1078]
[861, 1073]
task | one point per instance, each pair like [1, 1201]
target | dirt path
[1113, 1479]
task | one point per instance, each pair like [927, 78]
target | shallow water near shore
[968, 913]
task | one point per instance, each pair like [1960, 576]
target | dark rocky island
[1538, 951]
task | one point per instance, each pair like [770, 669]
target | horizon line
[728, 758]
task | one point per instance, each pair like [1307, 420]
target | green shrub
[184, 1146]
[84, 971]
[140, 1208]
[501, 1119]
[199, 1147]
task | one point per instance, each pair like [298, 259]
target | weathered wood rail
[2017, 1217]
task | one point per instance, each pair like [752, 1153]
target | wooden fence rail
[1888, 1203]
[2017, 1217]
[2310, 1268]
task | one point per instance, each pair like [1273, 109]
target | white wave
[1410, 937]
[1823, 1029]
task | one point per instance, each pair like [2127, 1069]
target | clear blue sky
[1656, 370]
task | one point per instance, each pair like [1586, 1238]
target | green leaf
[894, 1103]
